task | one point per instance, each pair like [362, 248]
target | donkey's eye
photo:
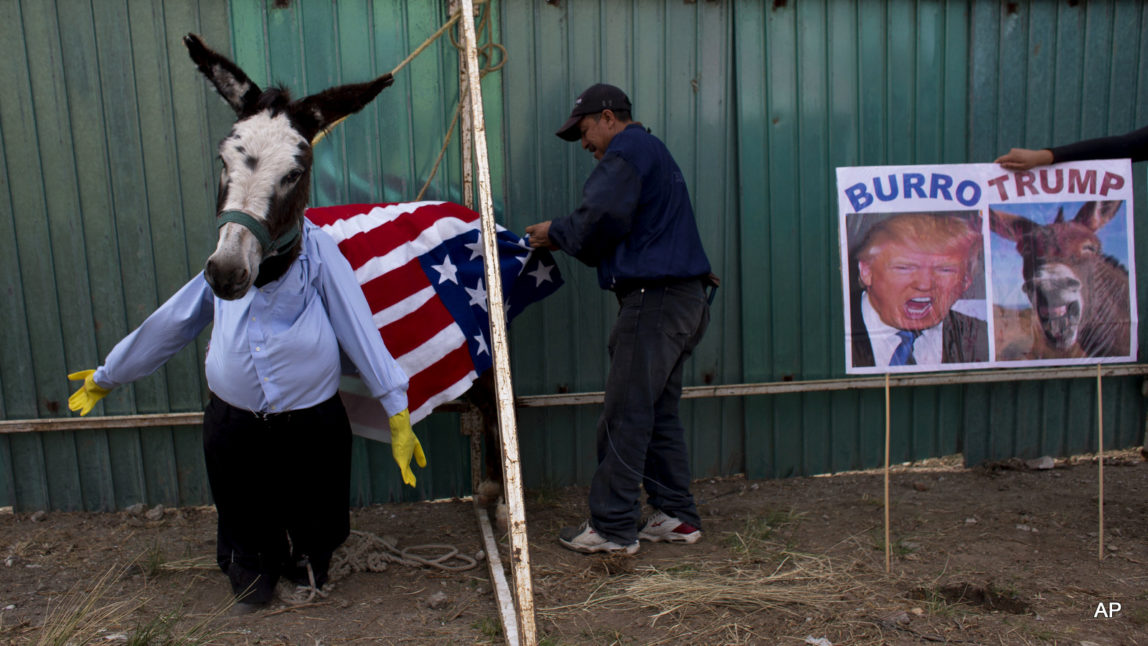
[292, 177]
[1091, 248]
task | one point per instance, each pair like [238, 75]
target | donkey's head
[266, 175]
[1066, 276]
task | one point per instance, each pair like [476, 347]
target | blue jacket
[635, 222]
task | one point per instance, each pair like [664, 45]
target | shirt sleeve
[1132, 145]
[167, 331]
[358, 337]
[605, 216]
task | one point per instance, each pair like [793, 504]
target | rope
[367, 552]
[485, 54]
[410, 57]
[310, 590]
[441, 151]
[484, 51]
[426, 43]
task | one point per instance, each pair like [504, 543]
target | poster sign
[967, 266]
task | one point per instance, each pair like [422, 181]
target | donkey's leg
[481, 396]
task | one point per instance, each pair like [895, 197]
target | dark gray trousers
[640, 436]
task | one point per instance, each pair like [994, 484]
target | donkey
[1079, 295]
[266, 177]
[264, 188]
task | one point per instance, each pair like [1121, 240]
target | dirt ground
[1004, 554]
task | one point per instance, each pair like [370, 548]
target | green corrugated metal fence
[104, 156]
[108, 179]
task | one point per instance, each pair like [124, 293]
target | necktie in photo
[903, 355]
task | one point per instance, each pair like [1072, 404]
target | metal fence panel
[826, 84]
[100, 171]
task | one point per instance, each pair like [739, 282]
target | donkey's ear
[1009, 226]
[230, 81]
[1097, 214]
[319, 112]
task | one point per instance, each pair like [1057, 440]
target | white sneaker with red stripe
[587, 540]
[661, 527]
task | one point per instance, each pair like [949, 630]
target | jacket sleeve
[1132, 145]
[606, 214]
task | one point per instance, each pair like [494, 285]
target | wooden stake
[1100, 457]
[888, 545]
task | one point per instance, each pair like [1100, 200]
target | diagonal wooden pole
[503, 389]
[502, 593]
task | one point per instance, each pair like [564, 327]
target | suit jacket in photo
[964, 339]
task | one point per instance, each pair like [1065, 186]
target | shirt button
[257, 348]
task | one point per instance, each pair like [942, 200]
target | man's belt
[625, 287]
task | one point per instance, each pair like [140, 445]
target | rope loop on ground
[367, 552]
[442, 561]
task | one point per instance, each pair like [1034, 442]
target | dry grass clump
[730, 601]
[93, 615]
[184, 565]
[81, 615]
[799, 580]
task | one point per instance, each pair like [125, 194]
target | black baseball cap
[596, 98]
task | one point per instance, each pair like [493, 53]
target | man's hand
[1024, 159]
[404, 445]
[89, 393]
[539, 236]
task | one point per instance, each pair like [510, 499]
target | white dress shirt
[277, 348]
[884, 340]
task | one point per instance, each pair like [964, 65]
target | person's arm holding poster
[1132, 145]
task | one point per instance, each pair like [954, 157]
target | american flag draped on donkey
[420, 266]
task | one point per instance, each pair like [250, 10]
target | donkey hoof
[488, 492]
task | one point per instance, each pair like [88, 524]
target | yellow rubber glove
[86, 397]
[404, 445]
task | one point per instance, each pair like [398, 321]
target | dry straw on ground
[722, 594]
[95, 615]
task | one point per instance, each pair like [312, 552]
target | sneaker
[663, 527]
[584, 539]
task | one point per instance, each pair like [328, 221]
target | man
[914, 267]
[636, 226]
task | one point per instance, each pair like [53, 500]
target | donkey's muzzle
[228, 280]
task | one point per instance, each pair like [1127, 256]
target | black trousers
[281, 486]
[641, 441]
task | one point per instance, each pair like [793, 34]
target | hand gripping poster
[968, 266]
